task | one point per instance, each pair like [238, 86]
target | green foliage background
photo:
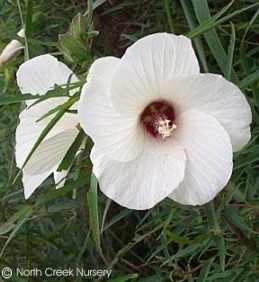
[77, 226]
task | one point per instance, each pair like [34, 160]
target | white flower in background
[160, 127]
[37, 76]
[12, 48]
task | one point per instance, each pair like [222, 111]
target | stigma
[165, 129]
[158, 119]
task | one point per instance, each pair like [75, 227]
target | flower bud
[11, 49]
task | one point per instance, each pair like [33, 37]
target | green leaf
[205, 270]
[67, 205]
[105, 212]
[190, 17]
[56, 92]
[161, 247]
[208, 22]
[13, 99]
[228, 275]
[186, 252]
[19, 214]
[117, 218]
[181, 240]
[44, 133]
[10, 223]
[92, 201]
[29, 14]
[154, 278]
[90, 10]
[231, 49]
[96, 4]
[23, 215]
[60, 91]
[215, 21]
[65, 106]
[72, 151]
[78, 26]
[169, 15]
[73, 49]
[249, 80]
[237, 220]
[125, 278]
[6, 227]
[52, 195]
[202, 12]
[26, 49]
[217, 232]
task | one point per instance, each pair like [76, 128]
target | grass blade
[197, 41]
[23, 215]
[202, 12]
[52, 195]
[231, 49]
[44, 133]
[92, 201]
[218, 237]
[72, 151]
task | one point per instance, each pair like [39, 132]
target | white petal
[42, 73]
[50, 152]
[11, 48]
[27, 133]
[31, 182]
[38, 75]
[209, 158]
[60, 177]
[21, 33]
[103, 68]
[146, 66]
[29, 130]
[119, 137]
[145, 181]
[215, 95]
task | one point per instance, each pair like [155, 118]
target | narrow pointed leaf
[72, 151]
[92, 201]
[70, 186]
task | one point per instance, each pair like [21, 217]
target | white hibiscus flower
[37, 76]
[160, 127]
[12, 48]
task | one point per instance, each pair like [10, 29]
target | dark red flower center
[158, 119]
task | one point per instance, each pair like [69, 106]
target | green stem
[26, 49]
[169, 16]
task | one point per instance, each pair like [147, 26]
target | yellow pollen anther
[165, 129]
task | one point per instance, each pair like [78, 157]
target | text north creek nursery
[51, 272]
